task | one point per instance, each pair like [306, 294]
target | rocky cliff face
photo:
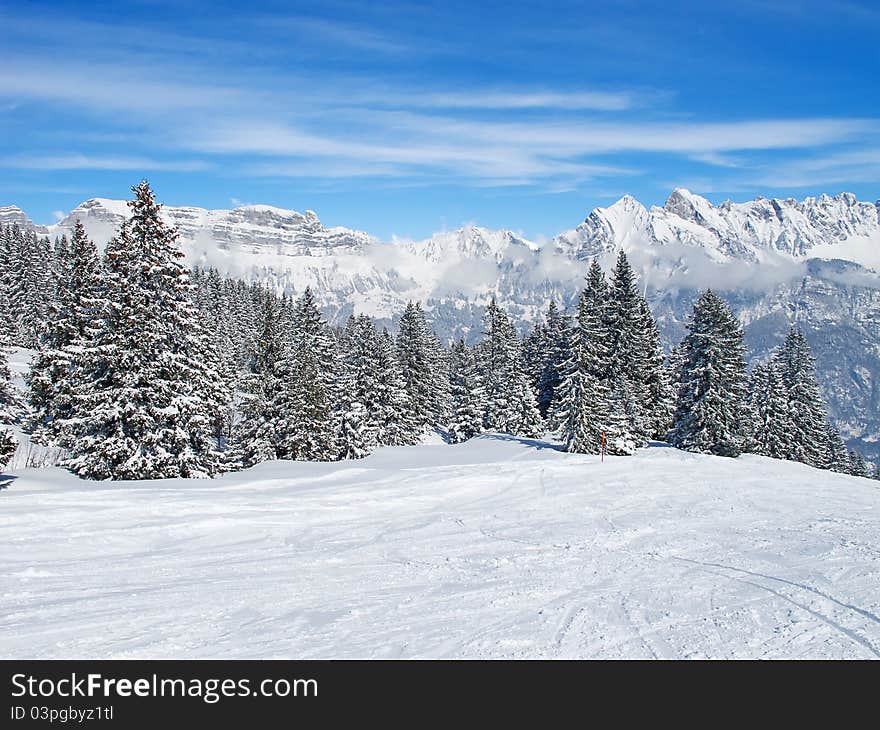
[11, 215]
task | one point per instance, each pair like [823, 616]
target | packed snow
[498, 547]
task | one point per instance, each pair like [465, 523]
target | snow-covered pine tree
[304, 398]
[466, 392]
[15, 280]
[425, 373]
[509, 401]
[438, 357]
[534, 348]
[656, 378]
[805, 407]
[60, 258]
[356, 439]
[628, 355]
[358, 405]
[8, 445]
[857, 465]
[581, 403]
[712, 389]
[391, 407]
[139, 404]
[219, 344]
[875, 472]
[9, 405]
[256, 438]
[545, 352]
[51, 378]
[621, 412]
[773, 431]
[837, 455]
[27, 282]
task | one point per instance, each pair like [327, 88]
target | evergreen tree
[636, 370]
[773, 430]
[875, 473]
[626, 361]
[304, 399]
[26, 276]
[139, 403]
[9, 406]
[424, 370]
[711, 391]
[356, 438]
[509, 401]
[359, 403]
[545, 353]
[805, 407]
[582, 405]
[655, 379]
[256, 436]
[52, 377]
[622, 412]
[466, 391]
[857, 465]
[391, 406]
[8, 445]
[837, 456]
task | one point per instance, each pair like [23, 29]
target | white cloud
[348, 127]
[108, 87]
[85, 162]
[494, 153]
[522, 99]
[335, 31]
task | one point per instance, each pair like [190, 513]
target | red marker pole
[603, 447]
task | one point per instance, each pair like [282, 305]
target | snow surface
[498, 547]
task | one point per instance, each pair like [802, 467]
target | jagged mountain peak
[750, 231]
[471, 242]
[689, 206]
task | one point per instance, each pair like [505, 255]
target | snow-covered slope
[494, 548]
[813, 262]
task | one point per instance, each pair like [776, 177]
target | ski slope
[498, 547]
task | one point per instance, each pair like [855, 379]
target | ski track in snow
[499, 547]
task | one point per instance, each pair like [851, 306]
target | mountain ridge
[828, 216]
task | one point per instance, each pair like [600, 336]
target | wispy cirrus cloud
[861, 165]
[817, 171]
[523, 99]
[86, 162]
[491, 150]
[104, 87]
[150, 99]
[339, 32]
[403, 133]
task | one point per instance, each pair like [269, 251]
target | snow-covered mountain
[840, 227]
[251, 229]
[12, 215]
[813, 262]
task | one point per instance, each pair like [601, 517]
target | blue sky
[403, 118]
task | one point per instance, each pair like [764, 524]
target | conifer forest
[145, 369]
